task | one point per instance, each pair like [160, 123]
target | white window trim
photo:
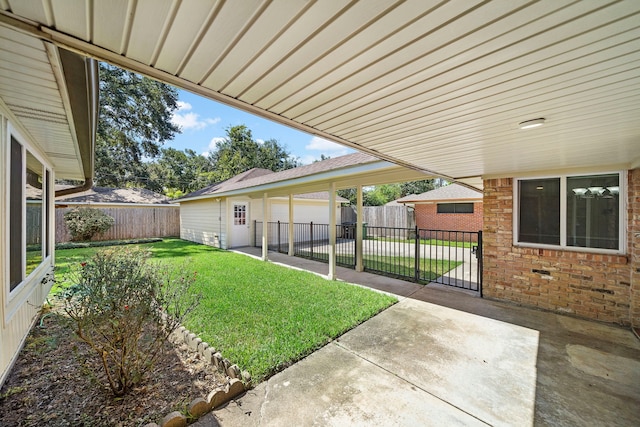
[15, 298]
[622, 228]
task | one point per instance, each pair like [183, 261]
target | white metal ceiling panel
[190, 21]
[111, 23]
[70, 16]
[322, 29]
[436, 85]
[251, 45]
[220, 37]
[144, 38]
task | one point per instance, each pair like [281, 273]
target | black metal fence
[452, 258]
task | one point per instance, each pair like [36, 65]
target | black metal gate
[451, 258]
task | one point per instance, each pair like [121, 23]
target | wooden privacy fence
[130, 223]
[382, 216]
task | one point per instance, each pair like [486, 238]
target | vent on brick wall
[545, 272]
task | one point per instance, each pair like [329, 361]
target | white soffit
[30, 90]
[440, 86]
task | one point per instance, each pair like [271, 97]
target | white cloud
[183, 106]
[190, 121]
[213, 144]
[326, 147]
[260, 141]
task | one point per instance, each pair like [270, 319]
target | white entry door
[240, 226]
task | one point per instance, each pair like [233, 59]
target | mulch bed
[57, 381]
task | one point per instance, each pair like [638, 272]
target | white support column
[291, 230]
[332, 231]
[265, 226]
[359, 229]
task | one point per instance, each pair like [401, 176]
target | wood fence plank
[130, 223]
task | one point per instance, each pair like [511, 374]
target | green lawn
[430, 269]
[259, 315]
[432, 242]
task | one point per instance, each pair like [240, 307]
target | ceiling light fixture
[534, 123]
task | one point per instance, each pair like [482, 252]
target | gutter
[88, 183]
[83, 83]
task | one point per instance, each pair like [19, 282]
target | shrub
[84, 223]
[125, 308]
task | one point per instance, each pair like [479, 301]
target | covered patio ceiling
[436, 86]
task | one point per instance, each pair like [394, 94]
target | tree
[177, 172]
[417, 187]
[239, 152]
[134, 122]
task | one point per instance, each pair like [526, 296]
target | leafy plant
[125, 308]
[84, 223]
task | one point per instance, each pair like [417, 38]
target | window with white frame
[29, 214]
[583, 211]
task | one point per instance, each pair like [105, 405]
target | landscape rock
[233, 371]
[216, 398]
[235, 388]
[193, 345]
[199, 407]
[246, 377]
[174, 419]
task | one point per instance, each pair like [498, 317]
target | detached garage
[209, 217]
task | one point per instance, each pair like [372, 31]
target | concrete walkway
[444, 357]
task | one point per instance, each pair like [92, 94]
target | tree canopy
[134, 122]
[239, 152]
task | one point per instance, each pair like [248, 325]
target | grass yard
[432, 242]
[397, 266]
[261, 316]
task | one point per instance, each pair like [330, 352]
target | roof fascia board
[128, 205]
[565, 171]
[290, 184]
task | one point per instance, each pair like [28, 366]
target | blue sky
[203, 123]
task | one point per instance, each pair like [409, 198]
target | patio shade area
[388, 77]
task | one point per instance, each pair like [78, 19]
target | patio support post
[359, 230]
[291, 231]
[265, 227]
[332, 231]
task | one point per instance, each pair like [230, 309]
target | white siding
[204, 221]
[18, 309]
[304, 211]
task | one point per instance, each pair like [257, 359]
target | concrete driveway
[442, 357]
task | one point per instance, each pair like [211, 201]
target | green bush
[84, 223]
[125, 308]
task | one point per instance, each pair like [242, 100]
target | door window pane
[593, 211]
[539, 216]
[239, 215]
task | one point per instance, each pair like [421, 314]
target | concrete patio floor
[446, 357]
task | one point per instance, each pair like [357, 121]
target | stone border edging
[199, 406]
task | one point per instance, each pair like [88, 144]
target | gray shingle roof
[255, 177]
[116, 195]
[447, 193]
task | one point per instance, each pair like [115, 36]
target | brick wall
[428, 217]
[634, 244]
[588, 285]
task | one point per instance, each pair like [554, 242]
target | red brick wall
[634, 244]
[428, 217]
[588, 285]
